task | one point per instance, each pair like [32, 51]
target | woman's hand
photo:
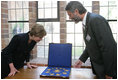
[13, 70]
[31, 66]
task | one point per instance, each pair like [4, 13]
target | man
[100, 44]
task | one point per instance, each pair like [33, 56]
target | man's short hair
[72, 5]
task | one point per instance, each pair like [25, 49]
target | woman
[18, 50]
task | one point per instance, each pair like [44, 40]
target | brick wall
[32, 21]
[62, 22]
[95, 7]
[32, 13]
[4, 24]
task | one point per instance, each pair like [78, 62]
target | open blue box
[59, 61]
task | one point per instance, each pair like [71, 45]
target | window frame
[49, 19]
[15, 21]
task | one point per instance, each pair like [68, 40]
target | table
[76, 73]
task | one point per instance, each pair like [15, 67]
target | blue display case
[59, 61]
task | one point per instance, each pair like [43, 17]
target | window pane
[14, 29]
[11, 26]
[113, 3]
[40, 4]
[73, 54]
[54, 3]
[47, 9]
[108, 8]
[26, 14]
[56, 27]
[48, 27]
[103, 3]
[26, 27]
[46, 51]
[56, 38]
[12, 15]
[20, 27]
[19, 4]
[78, 28]
[70, 38]
[112, 13]
[67, 17]
[87, 3]
[11, 4]
[10, 37]
[78, 52]
[40, 51]
[113, 26]
[47, 4]
[17, 28]
[70, 27]
[48, 39]
[40, 13]
[78, 40]
[25, 4]
[104, 12]
[89, 9]
[19, 15]
[54, 12]
[48, 13]
[115, 37]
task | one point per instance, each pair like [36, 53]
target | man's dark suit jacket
[16, 52]
[100, 46]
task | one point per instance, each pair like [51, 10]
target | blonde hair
[38, 31]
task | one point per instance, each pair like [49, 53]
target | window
[17, 27]
[48, 11]
[53, 36]
[48, 16]
[18, 16]
[108, 10]
[75, 34]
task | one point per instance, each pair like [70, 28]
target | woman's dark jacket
[18, 50]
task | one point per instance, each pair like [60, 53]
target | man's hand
[31, 66]
[78, 64]
[13, 70]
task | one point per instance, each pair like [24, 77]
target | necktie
[83, 28]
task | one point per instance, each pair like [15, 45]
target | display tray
[56, 72]
[59, 61]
